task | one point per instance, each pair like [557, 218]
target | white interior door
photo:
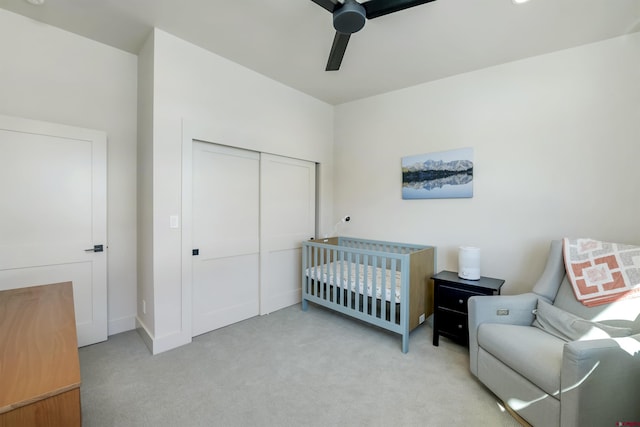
[53, 197]
[287, 212]
[226, 197]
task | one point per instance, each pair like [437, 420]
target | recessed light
[36, 2]
[519, 1]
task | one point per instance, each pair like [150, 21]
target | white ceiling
[289, 40]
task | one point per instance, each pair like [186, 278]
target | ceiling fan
[350, 16]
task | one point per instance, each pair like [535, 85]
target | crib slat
[319, 267]
[366, 289]
[330, 275]
[334, 275]
[383, 286]
[325, 273]
[341, 273]
[313, 267]
[357, 282]
[392, 291]
[374, 286]
[348, 282]
[309, 268]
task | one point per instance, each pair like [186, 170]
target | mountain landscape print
[442, 175]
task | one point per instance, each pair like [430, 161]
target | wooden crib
[386, 284]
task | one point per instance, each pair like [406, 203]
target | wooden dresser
[39, 364]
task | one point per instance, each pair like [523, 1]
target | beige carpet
[289, 368]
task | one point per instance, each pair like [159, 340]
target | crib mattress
[332, 273]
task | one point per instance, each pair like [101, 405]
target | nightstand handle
[459, 326]
[461, 301]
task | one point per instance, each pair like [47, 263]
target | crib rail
[360, 278]
[378, 245]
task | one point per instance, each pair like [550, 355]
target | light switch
[173, 221]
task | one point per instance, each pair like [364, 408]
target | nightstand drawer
[453, 325]
[454, 298]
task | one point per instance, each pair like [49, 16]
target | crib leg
[305, 305]
[405, 343]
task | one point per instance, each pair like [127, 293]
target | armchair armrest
[490, 309]
[600, 382]
[510, 309]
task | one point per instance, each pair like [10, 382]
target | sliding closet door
[287, 217]
[226, 203]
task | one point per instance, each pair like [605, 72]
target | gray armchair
[550, 381]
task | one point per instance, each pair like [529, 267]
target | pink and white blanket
[602, 272]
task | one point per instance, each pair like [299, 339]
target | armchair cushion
[569, 327]
[538, 357]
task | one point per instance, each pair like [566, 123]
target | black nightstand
[450, 317]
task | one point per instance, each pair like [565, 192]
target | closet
[250, 213]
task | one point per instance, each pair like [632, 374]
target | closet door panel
[287, 217]
[225, 291]
[226, 203]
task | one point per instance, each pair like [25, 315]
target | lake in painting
[443, 175]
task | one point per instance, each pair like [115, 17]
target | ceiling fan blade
[329, 5]
[376, 8]
[337, 51]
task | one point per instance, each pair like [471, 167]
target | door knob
[95, 248]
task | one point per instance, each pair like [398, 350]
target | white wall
[52, 75]
[556, 141]
[230, 105]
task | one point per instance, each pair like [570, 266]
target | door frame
[99, 159]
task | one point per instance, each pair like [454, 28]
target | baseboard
[144, 333]
[161, 344]
[122, 324]
[280, 301]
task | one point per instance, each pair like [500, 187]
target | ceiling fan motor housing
[350, 18]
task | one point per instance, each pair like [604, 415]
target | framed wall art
[440, 175]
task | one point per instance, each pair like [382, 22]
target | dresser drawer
[454, 298]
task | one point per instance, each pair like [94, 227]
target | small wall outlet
[421, 318]
[144, 307]
[502, 312]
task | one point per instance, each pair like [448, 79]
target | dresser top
[38, 344]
